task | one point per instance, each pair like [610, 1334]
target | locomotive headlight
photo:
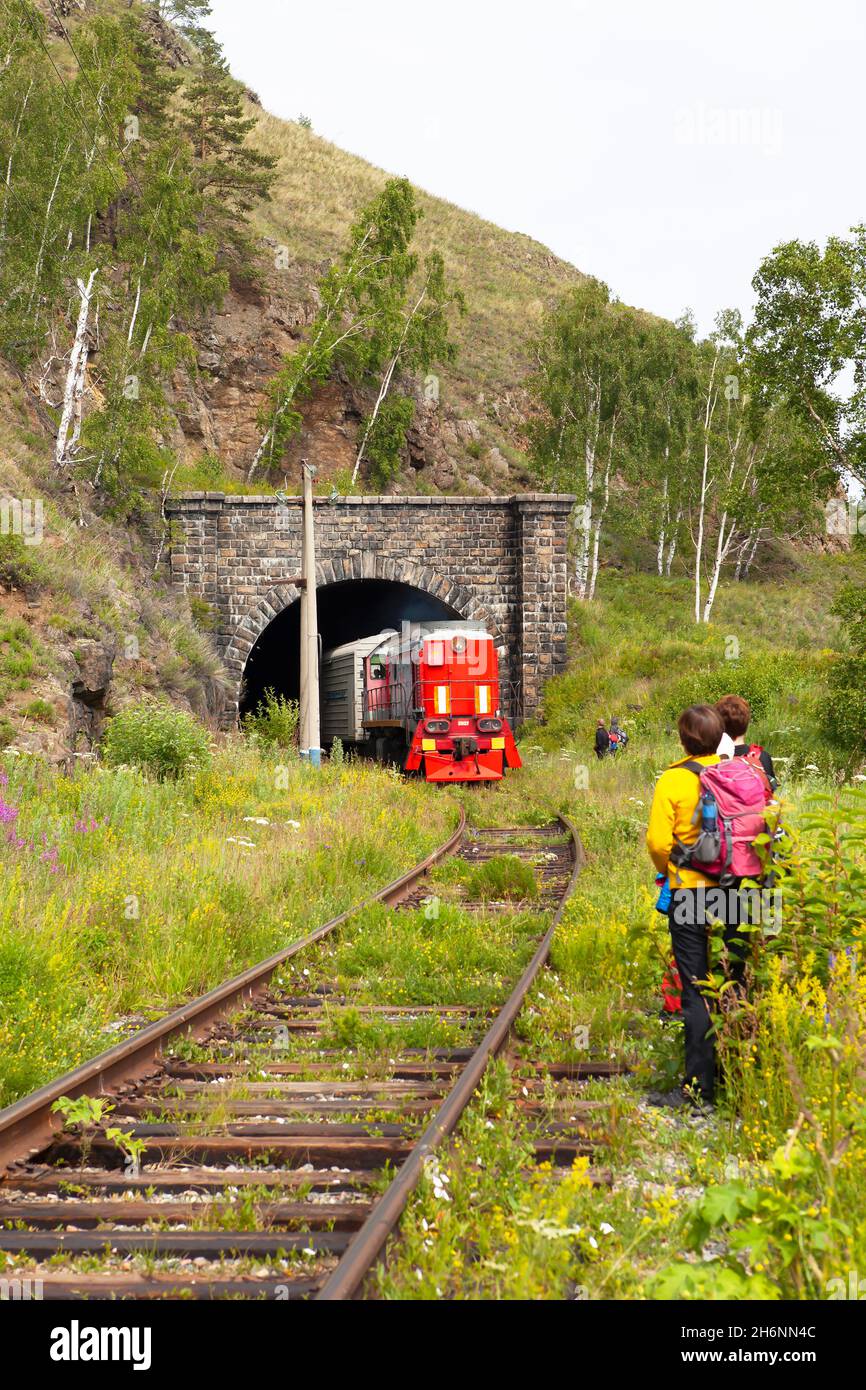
[437, 726]
[458, 644]
[489, 726]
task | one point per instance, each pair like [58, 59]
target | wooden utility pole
[309, 713]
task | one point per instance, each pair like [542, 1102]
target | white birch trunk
[598, 526]
[386, 382]
[702, 507]
[723, 545]
[37, 273]
[753, 552]
[665, 516]
[585, 523]
[603, 509]
[75, 376]
[741, 555]
[672, 548]
[12, 147]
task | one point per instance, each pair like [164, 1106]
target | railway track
[243, 1149]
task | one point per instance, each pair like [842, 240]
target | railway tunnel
[346, 610]
[499, 561]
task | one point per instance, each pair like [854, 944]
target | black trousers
[689, 912]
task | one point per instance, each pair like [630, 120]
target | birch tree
[581, 384]
[760, 470]
[808, 342]
[424, 342]
[73, 394]
[379, 317]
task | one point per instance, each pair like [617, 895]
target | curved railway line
[262, 1152]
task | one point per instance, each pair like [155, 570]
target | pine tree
[231, 176]
[186, 16]
[158, 84]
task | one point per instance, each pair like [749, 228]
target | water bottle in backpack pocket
[707, 848]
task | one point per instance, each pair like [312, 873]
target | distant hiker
[690, 827]
[618, 737]
[736, 715]
[602, 739]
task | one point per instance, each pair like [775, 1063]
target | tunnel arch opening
[346, 610]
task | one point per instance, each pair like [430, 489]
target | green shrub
[205, 618]
[157, 739]
[505, 877]
[846, 708]
[41, 711]
[387, 437]
[274, 721]
[756, 679]
[19, 567]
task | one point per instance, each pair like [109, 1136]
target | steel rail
[367, 1245]
[29, 1123]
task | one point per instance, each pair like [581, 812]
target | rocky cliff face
[239, 350]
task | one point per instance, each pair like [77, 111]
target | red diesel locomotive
[429, 697]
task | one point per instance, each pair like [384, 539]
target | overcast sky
[662, 145]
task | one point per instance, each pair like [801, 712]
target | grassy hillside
[509, 280]
[85, 598]
[637, 653]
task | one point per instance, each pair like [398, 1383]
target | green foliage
[229, 174]
[846, 709]
[708, 464]
[502, 878]
[274, 722]
[158, 739]
[386, 437]
[366, 327]
[185, 15]
[20, 567]
[808, 339]
[41, 711]
[107, 190]
[203, 615]
[210, 903]
[84, 1113]
[757, 680]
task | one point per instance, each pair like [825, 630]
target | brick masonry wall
[499, 560]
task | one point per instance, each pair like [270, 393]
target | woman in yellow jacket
[673, 818]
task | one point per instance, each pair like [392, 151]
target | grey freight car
[342, 689]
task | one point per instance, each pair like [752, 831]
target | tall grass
[120, 894]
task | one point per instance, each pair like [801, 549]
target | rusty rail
[29, 1124]
[367, 1246]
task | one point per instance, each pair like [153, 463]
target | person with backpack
[602, 739]
[618, 736]
[736, 715]
[705, 815]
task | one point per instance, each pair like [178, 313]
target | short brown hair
[736, 714]
[701, 729]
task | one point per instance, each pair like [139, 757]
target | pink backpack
[729, 816]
